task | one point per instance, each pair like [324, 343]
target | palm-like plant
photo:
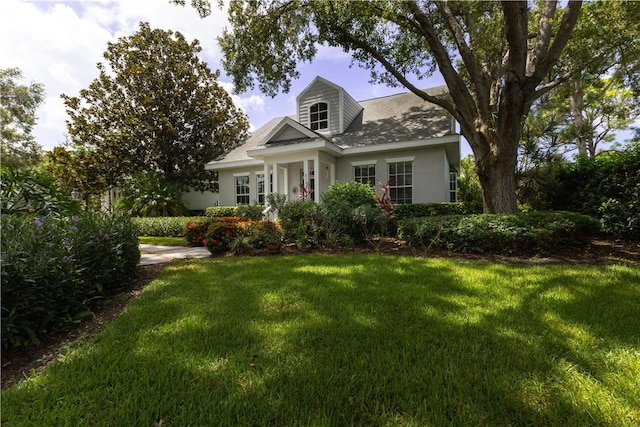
[148, 195]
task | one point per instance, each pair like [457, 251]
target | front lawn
[355, 339]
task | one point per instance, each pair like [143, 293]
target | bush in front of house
[54, 270]
[343, 205]
[534, 232]
[418, 210]
[165, 226]
[223, 234]
[253, 212]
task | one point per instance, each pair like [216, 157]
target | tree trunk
[498, 180]
[575, 101]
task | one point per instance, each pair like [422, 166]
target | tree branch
[543, 37]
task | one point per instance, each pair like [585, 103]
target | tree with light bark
[496, 58]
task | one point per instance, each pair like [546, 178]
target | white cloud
[59, 43]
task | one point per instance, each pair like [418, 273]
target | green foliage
[469, 188]
[253, 212]
[606, 187]
[33, 192]
[18, 104]
[339, 205]
[149, 195]
[156, 108]
[302, 222]
[54, 270]
[534, 232]
[437, 209]
[175, 226]
[81, 169]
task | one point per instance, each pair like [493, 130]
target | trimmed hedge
[54, 270]
[534, 232]
[166, 226]
[418, 210]
[253, 212]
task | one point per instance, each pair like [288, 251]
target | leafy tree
[601, 92]
[469, 189]
[496, 59]
[80, 169]
[18, 104]
[157, 108]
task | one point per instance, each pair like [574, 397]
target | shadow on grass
[366, 340]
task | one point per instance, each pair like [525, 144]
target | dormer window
[319, 116]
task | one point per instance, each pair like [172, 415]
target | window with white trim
[453, 185]
[260, 188]
[401, 182]
[319, 116]
[365, 174]
[242, 189]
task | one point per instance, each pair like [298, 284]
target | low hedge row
[419, 210]
[165, 226]
[253, 212]
[54, 270]
[534, 232]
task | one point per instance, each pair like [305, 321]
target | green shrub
[417, 210]
[535, 232]
[149, 195]
[606, 187]
[302, 222]
[339, 205]
[253, 212]
[168, 226]
[33, 192]
[55, 269]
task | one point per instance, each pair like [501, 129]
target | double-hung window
[319, 116]
[242, 189]
[401, 182]
[365, 174]
[453, 185]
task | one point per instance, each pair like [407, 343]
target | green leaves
[154, 108]
[18, 104]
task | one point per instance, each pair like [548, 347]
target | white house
[399, 139]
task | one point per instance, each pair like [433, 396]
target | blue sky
[58, 43]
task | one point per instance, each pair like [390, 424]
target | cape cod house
[399, 139]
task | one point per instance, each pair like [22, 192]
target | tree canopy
[496, 59]
[155, 107]
[18, 104]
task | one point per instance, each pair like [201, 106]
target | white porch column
[306, 177]
[275, 178]
[267, 181]
[318, 177]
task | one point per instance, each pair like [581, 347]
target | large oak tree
[496, 59]
[155, 107]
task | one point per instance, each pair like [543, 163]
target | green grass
[355, 340]
[163, 241]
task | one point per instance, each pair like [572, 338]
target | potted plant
[272, 237]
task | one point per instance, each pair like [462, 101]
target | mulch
[19, 363]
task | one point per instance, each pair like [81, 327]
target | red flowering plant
[221, 231]
[383, 201]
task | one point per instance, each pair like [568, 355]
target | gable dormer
[326, 108]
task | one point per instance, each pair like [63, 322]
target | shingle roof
[394, 118]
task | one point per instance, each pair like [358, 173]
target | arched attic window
[319, 116]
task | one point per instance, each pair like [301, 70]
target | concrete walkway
[155, 254]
